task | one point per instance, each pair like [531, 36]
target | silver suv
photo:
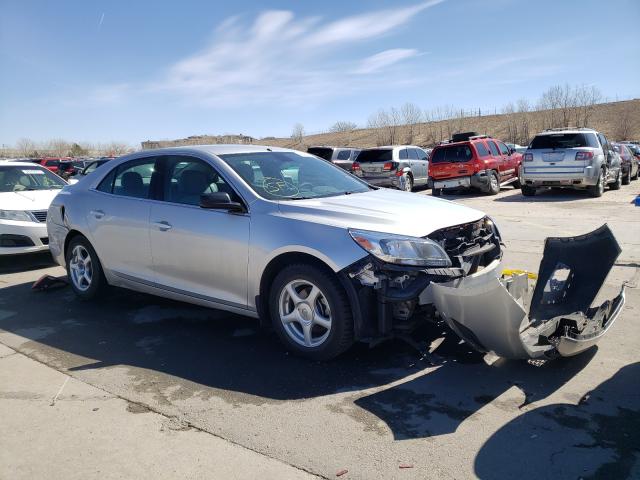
[401, 167]
[344, 157]
[321, 256]
[579, 158]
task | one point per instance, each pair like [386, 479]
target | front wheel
[84, 269]
[618, 183]
[310, 312]
[436, 192]
[626, 180]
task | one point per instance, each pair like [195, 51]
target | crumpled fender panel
[490, 312]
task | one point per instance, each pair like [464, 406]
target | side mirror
[512, 151]
[220, 201]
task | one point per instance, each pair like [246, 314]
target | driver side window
[186, 178]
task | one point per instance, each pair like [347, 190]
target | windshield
[375, 155]
[564, 140]
[21, 178]
[453, 154]
[292, 176]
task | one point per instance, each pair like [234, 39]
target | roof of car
[567, 130]
[219, 149]
[392, 146]
[20, 164]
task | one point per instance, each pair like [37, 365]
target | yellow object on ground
[510, 272]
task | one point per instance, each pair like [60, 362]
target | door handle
[163, 226]
[97, 213]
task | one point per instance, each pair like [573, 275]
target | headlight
[16, 215]
[402, 250]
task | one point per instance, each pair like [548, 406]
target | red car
[54, 163]
[474, 161]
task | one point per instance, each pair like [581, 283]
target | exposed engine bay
[508, 313]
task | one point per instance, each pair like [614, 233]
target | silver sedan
[309, 249]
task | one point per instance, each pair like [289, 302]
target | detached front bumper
[506, 314]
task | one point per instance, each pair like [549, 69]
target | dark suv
[341, 156]
[470, 160]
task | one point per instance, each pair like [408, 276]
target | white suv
[579, 158]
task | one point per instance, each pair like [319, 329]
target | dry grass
[606, 117]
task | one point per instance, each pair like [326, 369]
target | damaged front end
[492, 312]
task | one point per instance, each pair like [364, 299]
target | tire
[494, 184]
[408, 183]
[635, 177]
[516, 184]
[436, 192]
[618, 183]
[321, 343]
[84, 270]
[527, 191]
[598, 189]
[626, 180]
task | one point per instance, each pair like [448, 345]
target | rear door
[506, 166]
[118, 219]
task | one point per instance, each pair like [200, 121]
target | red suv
[475, 161]
[55, 164]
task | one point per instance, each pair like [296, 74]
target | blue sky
[136, 70]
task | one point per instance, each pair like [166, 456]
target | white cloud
[281, 58]
[381, 60]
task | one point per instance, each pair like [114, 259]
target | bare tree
[297, 133]
[116, 148]
[386, 125]
[58, 147]
[411, 117]
[524, 121]
[343, 126]
[622, 123]
[509, 113]
[586, 100]
[26, 147]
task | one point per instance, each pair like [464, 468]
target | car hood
[27, 200]
[382, 210]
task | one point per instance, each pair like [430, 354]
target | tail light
[584, 155]
[388, 166]
[527, 157]
[355, 167]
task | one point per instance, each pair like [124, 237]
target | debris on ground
[49, 282]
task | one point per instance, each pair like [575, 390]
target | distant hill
[618, 120]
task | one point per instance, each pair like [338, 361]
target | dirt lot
[378, 413]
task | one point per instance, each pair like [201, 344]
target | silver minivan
[579, 158]
[399, 166]
[322, 257]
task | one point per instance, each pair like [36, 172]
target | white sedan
[26, 191]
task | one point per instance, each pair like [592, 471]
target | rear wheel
[527, 191]
[408, 182]
[310, 312]
[494, 184]
[598, 189]
[84, 269]
[517, 184]
[626, 180]
[635, 177]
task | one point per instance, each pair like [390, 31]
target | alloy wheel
[304, 312]
[81, 268]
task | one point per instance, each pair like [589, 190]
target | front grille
[41, 215]
[470, 245]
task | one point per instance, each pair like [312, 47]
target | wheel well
[270, 272]
[70, 236]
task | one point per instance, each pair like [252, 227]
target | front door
[198, 252]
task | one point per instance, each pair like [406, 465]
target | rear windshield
[321, 152]
[564, 140]
[375, 155]
[452, 154]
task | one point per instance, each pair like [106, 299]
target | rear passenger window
[494, 150]
[422, 155]
[343, 155]
[403, 154]
[133, 179]
[481, 149]
[413, 154]
[106, 185]
[503, 148]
